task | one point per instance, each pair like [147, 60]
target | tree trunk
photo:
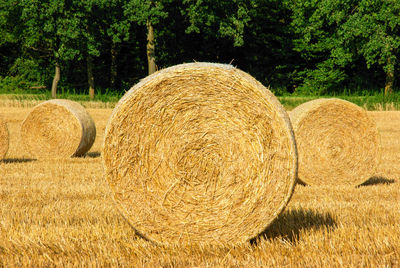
[150, 48]
[114, 66]
[389, 76]
[389, 82]
[89, 62]
[56, 79]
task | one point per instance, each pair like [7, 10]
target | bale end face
[337, 142]
[4, 138]
[58, 129]
[200, 153]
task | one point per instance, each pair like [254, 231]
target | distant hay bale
[200, 153]
[337, 142]
[4, 138]
[58, 129]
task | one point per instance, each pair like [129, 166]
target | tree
[316, 24]
[268, 51]
[118, 30]
[333, 35]
[226, 18]
[15, 60]
[148, 13]
[88, 42]
[49, 27]
[102, 24]
[374, 26]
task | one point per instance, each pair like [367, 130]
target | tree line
[303, 46]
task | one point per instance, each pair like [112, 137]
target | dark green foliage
[309, 47]
[343, 41]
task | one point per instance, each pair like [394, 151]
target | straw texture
[338, 144]
[58, 129]
[200, 153]
[4, 138]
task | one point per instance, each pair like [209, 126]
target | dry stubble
[60, 213]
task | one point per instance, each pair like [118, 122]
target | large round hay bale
[337, 142]
[4, 138]
[58, 129]
[200, 153]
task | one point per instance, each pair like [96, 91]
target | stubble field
[60, 213]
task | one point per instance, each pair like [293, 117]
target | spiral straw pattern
[337, 142]
[200, 153]
[4, 138]
[58, 129]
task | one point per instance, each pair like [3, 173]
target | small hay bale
[58, 129]
[4, 138]
[337, 142]
[200, 153]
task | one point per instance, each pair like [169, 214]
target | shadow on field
[92, 154]
[377, 180]
[290, 223]
[300, 182]
[16, 160]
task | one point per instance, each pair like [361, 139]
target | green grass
[112, 97]
[369, 101]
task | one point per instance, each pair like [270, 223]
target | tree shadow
[92, 155]
[16, 160]
[376, 180]
[290, 223]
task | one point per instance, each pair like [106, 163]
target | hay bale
[58, 129]
[337, 142]
[200, 153]
[4, 138]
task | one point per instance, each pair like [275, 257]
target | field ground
[60, 213]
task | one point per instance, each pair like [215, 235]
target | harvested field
[60, 213]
